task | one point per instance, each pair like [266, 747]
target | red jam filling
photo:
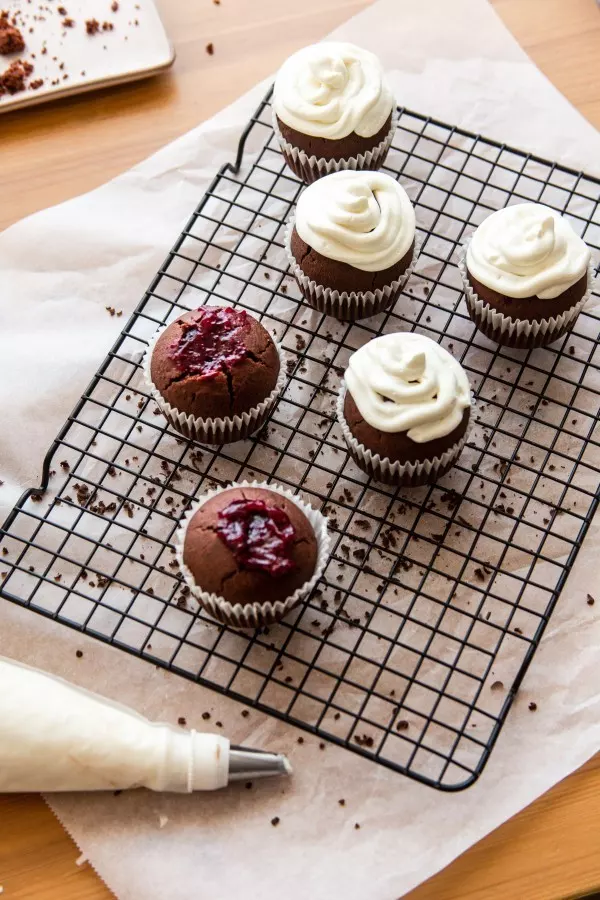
[212, 342]
[259, 536]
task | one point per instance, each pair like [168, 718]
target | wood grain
[550, 850]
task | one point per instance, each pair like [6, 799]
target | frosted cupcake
[404, 409]
[333, 109]
[526, 274]
[352, 243]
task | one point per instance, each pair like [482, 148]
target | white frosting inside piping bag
[407, 382]
[57, 737]
[364, 219]
[330, 90]
[527, 250]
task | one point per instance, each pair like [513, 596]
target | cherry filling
[259, 536]
[212, 342]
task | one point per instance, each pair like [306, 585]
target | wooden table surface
[549, 851]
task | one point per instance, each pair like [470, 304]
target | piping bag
[55, 736]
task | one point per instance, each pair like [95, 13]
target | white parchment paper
[58, 272]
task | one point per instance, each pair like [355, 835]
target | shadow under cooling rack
[414, 643]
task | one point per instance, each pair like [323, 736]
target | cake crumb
[12, 80]
[92, 26]
[79, 654]
[11, 38]
[590, 600]
[275, 821]
[162, 821]
[532, 706]
[114, 6]
[210, 49]
[182, 721]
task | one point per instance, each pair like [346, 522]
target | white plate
[132, 51]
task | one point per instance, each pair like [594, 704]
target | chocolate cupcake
[215, 373]
[332, 110]
[250, 553]
[527, 276]
[352, 243]
[404, 409]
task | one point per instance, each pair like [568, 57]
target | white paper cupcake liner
[518, 333]
[349, 307]
[310, 168]
[256, 614]
[215, 431]
[409, 474]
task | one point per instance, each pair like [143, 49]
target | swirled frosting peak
[527, 250]
[331, 90]
[405, 382]
[364, 219]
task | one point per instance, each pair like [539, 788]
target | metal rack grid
[414, 644]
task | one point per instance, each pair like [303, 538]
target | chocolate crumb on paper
[532, 706]
[92, 26]
[275, 821]
[79, 654]
[210, 49]
[590, 600]
[182, 721]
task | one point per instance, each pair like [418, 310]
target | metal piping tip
[245, 763]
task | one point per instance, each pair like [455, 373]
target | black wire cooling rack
[413, 646]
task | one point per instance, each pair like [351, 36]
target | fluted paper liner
[409, 474]
[215, 431]
[55, 736]
[518, 333]
[310, 168]
[348, 307]
[255, 614]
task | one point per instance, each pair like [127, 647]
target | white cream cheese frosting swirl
[330, 90]
[364, 219]
[405, 382]
[527, 250]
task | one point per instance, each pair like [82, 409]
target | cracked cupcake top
[211, 342]
[250, 544]
[214, 362]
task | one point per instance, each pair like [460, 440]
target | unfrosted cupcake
[333, 109]
[215, 373]
[251, 552]
[352, 243]
[526, 274]
[404, 409]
